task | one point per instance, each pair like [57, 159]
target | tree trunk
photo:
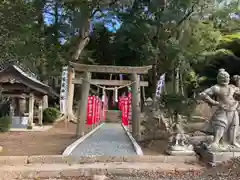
[181, 83]
[154, 83]
[135, 87]
[176, 80]
[82, 41]
[45, 98]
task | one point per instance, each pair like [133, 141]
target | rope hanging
[116, 94]
[113, 89]
[103, 94]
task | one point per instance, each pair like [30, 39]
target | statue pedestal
[179, 146]
[212, 158]
[180, 153]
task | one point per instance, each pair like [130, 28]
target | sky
[112, 26]
[110, 22]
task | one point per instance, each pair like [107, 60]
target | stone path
[109, 140]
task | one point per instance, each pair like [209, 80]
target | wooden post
[142, 100]
[136, 106]
[40, 113]
[71, 76]
[22, 106]
[17, 106]
[82, 114]
[45, 102]
[31, 110]
[11, 113]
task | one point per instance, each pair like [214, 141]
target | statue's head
[223, 77]
[236, 80]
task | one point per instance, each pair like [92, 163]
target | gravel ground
[109, 140]
[173, 178]
[217, 177]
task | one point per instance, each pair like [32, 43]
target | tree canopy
[182, 37]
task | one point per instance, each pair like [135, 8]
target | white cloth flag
[64, 90]
[160, 85]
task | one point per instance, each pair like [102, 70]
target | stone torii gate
[86, 81]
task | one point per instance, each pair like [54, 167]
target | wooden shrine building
[26, 96]
[86, 80]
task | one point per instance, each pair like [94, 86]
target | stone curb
[71, 147]
[59, 159]
[76, 172]
[136, 146]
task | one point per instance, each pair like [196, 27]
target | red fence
[125, 107]
[96, 110]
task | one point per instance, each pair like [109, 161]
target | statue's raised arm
[207, 95]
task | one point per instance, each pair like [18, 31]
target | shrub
[50, 115]
[5, 123]
[177, 103]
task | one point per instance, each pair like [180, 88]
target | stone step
[32, 171]
[113, 116]
[58, 159]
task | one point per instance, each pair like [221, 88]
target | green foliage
[170, 35]
[50, 115]
[227, 56]
[174, 103]
[28, 39]
[5, 123]
[178, 104]
[193, 80]
[226, 18]
[230, 38]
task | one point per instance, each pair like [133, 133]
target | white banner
[160, 85]
[64, 90]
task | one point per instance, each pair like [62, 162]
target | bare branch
[112, 3]
[187, 15]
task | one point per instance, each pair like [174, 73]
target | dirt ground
[155, 147]
[51, 142]
[158, 147]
